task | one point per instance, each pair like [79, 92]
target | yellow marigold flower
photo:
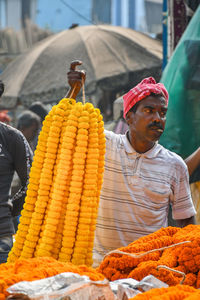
[31, 193]
[16, 251]
[78, 173]
[72, 213]
[53, 221]
[38, 216]
[83, 125]
[75, 189]
[31, 238]
[83, 220]
[73, 207]
[76, 184]
[78, 256]
[32, 231]
[50, 227]
[43, 252]
[24, 220]
[78, 155]
[67, 241]
[100, 130]
[51, 234]
[85, 208]
[73, 123]
[20, 239]
[89, 193]
[74, 197]
[42, 201]
[40, 210]
[63, 256]
[48, 240]
[66, 151]
[78, 167]
[22, 226]
[78, 161]
[46, 247]
[30, 244]
[53, 214]
[35, 227]
[79, 250]
[51, 148]
[26, 213]
[82, 244]
[28, 206]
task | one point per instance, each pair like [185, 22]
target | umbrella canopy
[115, 58]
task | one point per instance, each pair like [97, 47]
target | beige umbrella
[115, 58]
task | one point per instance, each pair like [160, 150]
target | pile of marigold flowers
[183, 257]
[59, 215]
[39, 268]
[178, 292]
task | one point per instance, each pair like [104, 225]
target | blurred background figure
[29, 124]
[39, 109]
[4, 117]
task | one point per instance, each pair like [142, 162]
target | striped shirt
[136, 193]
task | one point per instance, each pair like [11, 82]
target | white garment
[136, 193]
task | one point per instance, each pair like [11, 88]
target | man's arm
[76, 79]
[184, 222]
[193, 161]
[22, 156]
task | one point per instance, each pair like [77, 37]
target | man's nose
[156, 116]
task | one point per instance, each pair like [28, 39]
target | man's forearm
[193, 161]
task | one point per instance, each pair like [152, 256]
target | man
[15, 155]
[29, 124]
[141, 177]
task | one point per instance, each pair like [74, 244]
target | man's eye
[163, 113]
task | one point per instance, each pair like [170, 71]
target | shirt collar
[153, 152]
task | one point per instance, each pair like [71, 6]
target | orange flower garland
[172, 293]
[38, 268]
[184, 257]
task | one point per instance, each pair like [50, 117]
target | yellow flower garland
[61, 204]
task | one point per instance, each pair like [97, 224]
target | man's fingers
[74, 64]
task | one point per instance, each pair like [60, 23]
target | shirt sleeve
[22, 159]
[182, 204]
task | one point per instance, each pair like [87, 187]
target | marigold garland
[65, 180]
[184, 257]
[38, 268]
[171, 293]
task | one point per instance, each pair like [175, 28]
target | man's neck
[140, 146]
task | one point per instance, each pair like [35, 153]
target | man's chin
[156, 136]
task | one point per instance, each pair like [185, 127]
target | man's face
[31, 132]
[148, 122]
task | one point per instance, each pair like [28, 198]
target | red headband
[141, 91]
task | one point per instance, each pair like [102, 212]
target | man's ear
[127, 118]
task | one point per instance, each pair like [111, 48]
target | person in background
[4, 117]
[141, 177]
[15, 155]
[39, 109]
[29, 124]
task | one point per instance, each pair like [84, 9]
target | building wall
[126, 13]
[56, 16]
[14, 12]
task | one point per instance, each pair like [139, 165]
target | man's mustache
[156, 125]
